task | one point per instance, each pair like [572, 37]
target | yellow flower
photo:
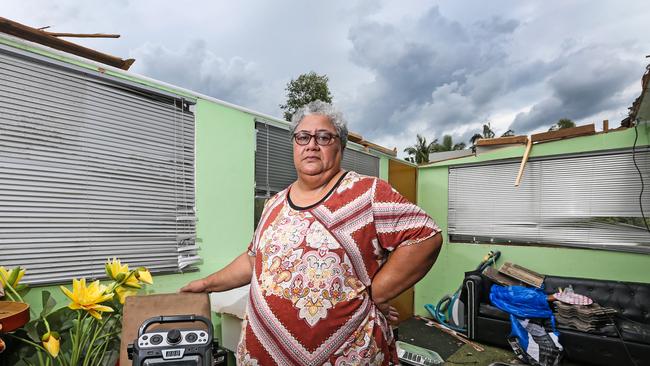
[51, 343]
[115, 268]
[11, 277]
[88, 298]
[144, 275]
[132, 280]
[123, 293]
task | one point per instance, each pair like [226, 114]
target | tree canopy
[304, 89]
[419, 153]
[448, 145]
[488, 133]
[562, 124]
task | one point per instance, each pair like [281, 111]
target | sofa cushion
[635, 332]
[493, 312]
[604, 351]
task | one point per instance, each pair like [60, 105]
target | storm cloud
[436, 76]
[197, 68]
[396, 69]
[581, 88]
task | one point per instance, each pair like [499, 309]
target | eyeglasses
[322, 138]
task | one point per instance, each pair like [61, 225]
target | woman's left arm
[405, 267]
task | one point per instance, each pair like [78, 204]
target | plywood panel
[403, 178]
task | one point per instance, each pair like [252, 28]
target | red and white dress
[309, 302]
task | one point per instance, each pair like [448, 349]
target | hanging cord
[636, 137]
[621, 338]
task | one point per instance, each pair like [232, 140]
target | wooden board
[403, 178]
[502, 141]
[564, 133]
[41, 37]
[355, 137]
[529, 147]
[503, 280]
[523, 274]
[379, 148]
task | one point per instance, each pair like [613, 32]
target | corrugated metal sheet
[91, 170]
[580, 201]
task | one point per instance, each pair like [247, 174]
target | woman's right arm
[236, 274]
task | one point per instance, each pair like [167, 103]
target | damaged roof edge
[643, 112]
[640, 108]
[39, 36]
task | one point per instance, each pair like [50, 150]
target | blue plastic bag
[520, 301]
[524, 304]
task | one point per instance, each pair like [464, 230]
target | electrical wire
[636, 137]
[622, 340]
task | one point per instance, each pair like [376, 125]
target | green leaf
[48, 303]
[31, 329]
[22, 289]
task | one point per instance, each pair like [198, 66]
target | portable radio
[176, 347]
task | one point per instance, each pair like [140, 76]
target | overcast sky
[396, 68]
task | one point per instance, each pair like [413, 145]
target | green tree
[419, 153]
[448, 145]
[488, 133]
[306, 88]
[562, 124]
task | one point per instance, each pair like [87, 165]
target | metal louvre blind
[361, 163]
[584, 201]
[274, 168]
[90, 169]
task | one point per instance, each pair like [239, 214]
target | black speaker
[176, 347]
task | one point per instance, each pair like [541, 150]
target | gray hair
[324, 109]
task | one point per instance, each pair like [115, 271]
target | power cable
[636, 137]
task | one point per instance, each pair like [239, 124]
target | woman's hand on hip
[390, 312]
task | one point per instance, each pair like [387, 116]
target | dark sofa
[626, 344]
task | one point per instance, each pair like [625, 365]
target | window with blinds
[590, 201]
[361, 163]
[90, 169]
[274, 169]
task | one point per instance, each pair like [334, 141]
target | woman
[318, 263]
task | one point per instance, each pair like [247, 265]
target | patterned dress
[309, 300]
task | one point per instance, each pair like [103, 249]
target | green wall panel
[225, 158]
[383, 168]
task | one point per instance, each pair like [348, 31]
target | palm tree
[562, 124]
[419, 153]
[488, 133]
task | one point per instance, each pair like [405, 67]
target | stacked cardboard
[586, 318]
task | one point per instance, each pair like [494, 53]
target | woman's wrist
[205, 284]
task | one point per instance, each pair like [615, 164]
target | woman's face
[314, 159]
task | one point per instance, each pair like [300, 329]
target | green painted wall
[456, 258]
[225, 179]
[383, 168]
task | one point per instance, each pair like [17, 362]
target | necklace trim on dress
[300, 208]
